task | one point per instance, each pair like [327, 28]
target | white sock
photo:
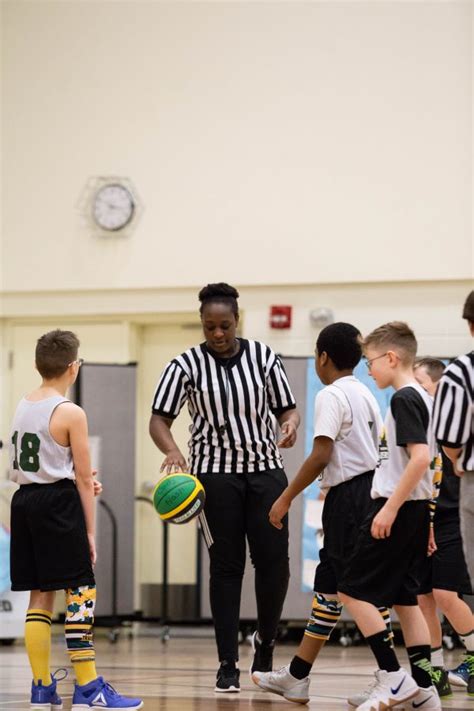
[437, 657]
[468, 641]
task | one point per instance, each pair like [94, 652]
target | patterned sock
[437, 657]
[383, 651]
[420, 663]
[38, 644]
[468, 641]
[80, 604]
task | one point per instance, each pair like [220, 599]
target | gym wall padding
[108, 395]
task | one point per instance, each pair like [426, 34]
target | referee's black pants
[237, 506]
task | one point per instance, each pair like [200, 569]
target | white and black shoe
[262, 655]
[228, 679]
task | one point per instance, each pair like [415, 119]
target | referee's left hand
[383, 522]
[288, 435]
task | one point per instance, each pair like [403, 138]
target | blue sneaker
[460, 675]
[98, 694]
[46, 697]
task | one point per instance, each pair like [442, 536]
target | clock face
[113, 207]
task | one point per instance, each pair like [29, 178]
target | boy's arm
[78, 437]
[310, 469]
[419, 462]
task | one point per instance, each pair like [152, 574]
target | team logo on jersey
[383, 446]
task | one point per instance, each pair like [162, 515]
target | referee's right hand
[174, 462]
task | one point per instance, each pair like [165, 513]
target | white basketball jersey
[35, 457]
[356, 451]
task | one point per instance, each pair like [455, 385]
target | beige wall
[277, 142]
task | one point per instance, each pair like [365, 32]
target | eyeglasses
[78, 362]
[369, 362]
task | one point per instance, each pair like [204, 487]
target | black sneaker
[228, 679]
[439, 677]
[262, 655]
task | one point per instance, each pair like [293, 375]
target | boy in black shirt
[394, 538]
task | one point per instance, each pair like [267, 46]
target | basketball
[178, 498]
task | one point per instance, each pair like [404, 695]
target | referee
[453, 419]
[233, 387]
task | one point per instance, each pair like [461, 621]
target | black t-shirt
[448, 499]
[407, 422]
[411, 417]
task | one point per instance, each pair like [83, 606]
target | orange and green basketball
[178, 498]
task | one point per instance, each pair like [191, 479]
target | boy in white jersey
[347, 425]
[53, 526]
[393, 540]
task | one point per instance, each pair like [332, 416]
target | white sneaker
[358, 699]
[283, 683]
[391, 689]
[425, 700]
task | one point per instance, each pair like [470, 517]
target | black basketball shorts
[385, 571]
[49, 545]
[446, 569]
[345, 508]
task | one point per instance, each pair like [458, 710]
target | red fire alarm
[280, 316]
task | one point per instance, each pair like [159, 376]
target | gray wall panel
[107, 394]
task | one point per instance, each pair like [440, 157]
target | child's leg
[459, 615]
[325, 615]
[80, 604]
[417, 642]
[38, 634]
[373, 627]
[427, 604]
[428, 607]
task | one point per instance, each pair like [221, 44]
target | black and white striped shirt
[231, 402]
[453, 415]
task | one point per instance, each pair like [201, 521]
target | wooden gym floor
[180, 675]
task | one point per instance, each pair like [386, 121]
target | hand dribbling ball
[178, 498]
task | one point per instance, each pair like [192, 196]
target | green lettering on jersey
[29, 452]
[14, 442]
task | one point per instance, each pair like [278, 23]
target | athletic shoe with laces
[99, 694]
[390, 689]
[426, 700]
[46, 697]
[358, 699]
[469, 661]
[228, 679]
[460, 675]
[262, 655]
[281, 682]
[439, 677]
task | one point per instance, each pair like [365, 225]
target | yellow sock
[85, 671]
[38, 644]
